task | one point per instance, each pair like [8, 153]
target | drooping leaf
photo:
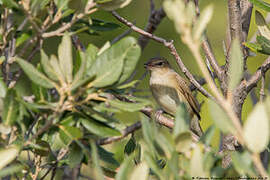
[81, 71]
[98, 128]
[130, 146]
[112, 4]
[75, 156]
[69, 133]
[107, 156]
[262, 26]
[253, 46]
[99, 25]
[91, 55]
[220, 118]
[7, 155]
[11, 108]
[65, 57]
[236, 66]
[242, 162]
[10, 170]
[33, 74]
[256, 129]
[56, 67]
[261, 4]
[47, 67]
[202, 22]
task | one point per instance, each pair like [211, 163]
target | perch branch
[170, 46]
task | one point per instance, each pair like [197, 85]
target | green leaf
[34, 75]
[7, 155]
[125, 168]
[91, 55]
[75, 156]
[256, 129]
[220, 118]
[208, 135]
[41, 148]
[262, 26]
[131, 58]
[253, 46]
[3, 88]
[47, 67]
[107, 156]
[236, 66]
[196, 164]
[65, 57]
[107, 68]
[183, 142]
[99, 25]
[81, 72]
[11, 108]
[56, 67]
[10, 3]
[181, 120]
[130, 146]
[11, 170]
[97, 169]
[128, 106]
[23, 37]
[202, 22]
[140, 172]
[242, 163]
[261, 4]
[128, 85]
[98, 128]
[265, 44]
[68, 134]
[112, 5]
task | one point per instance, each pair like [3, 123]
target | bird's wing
[184, 89]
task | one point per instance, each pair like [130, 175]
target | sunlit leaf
[140, 172]
[3, 88]
[33, 74]
[65, 57]
[10, 170]
[7, 155]
[47, 67]
[256, 129]
[125, 168]
[196, 164]
[236, 66]
[128, 106]
[181, 120]
[202, 22]
[242, 162]
[264, 43]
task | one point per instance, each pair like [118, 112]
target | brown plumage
[170, 90]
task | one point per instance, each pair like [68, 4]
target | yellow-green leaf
[262, 26]
[8, 155]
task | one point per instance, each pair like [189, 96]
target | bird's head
[157, 63]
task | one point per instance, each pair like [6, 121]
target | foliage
[68, 102]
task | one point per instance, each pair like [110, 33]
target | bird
[170, 90]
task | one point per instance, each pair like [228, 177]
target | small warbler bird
[170, 90]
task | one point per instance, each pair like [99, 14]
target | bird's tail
[195, 126]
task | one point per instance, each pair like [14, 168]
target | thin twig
[170, 45]
[262, 94]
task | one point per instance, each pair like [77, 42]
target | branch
[154, 20]
[252, 82]
[235, 19]
[171, 47]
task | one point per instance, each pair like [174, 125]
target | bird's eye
[160, 63]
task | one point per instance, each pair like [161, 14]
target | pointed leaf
[127, 106]
[65, 57]
[264, 43]
[256, 129]
[236, 66]
[81, 72]
[97, 169]
[56, 67]
[262, 26]
[98, 128]
[124, 169]
[33, 74]
[91, 55]
[196, 164]
[202, 22]
[181, 120]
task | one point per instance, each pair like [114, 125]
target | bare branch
[170, 45]
[235, 19]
